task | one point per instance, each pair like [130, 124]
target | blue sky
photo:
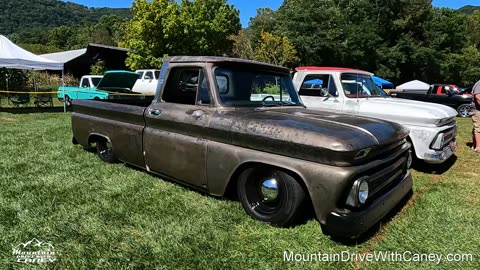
[248, 7]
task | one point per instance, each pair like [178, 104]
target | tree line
[399, 40]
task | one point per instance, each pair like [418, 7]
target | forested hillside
[469, 9]
[21, 15]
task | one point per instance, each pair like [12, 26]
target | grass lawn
[105, 216]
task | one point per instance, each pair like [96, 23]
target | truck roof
[219, 59]
[332, 69]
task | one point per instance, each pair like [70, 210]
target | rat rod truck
[222, 125]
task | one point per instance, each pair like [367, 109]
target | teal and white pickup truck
[98, 87]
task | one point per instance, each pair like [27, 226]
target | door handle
[198, 113]
[155, 112]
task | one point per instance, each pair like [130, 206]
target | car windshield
[96, 81]
[360, 86]
[243, 86]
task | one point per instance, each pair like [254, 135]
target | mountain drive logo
[35, 251]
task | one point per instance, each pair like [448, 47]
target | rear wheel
[270, 195]
[464, 110]
[105, 151]
[68, 101]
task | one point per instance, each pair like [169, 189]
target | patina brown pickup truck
[220, 124]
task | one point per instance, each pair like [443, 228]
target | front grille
[381, 180]
[385, 176]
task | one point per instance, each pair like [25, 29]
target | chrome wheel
[270, 195]
[464, 110]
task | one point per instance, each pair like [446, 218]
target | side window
[157, 74]
[187, 86]
[140, 74]
[85, 83]
[318, 86]
[148, 75]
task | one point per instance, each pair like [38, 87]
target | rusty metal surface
[203, 146]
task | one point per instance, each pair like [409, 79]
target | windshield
[95, 81]
[246, 87]
[360, 86]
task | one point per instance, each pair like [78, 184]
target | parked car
[147, 81]
[432, 126]
[220, 125]
[99, 87]
[442, 94]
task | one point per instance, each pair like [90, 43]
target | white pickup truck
[432, 126]
[147, 81]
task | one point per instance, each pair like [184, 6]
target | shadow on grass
[374, 230]
[435, 168]
[29, 110]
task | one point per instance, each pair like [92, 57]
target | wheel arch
[95, 137]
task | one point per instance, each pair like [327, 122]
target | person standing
[476, 117]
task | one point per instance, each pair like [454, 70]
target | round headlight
[363, 192]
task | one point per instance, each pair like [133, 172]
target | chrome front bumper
[438, 157]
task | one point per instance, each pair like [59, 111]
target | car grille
[385, 176]
[392, 172]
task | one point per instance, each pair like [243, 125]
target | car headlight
[359, 193]
[438, 142]
[363, 192]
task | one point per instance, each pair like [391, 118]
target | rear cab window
[187, 86]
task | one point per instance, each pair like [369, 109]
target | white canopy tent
[415, 85]
[12, 56]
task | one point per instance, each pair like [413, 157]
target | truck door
[439, 94]
[175, 137]
[84, 91]
[318, 91]
[148, 82]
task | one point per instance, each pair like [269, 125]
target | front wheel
[270, 195]
[105, 151]
[464, 110]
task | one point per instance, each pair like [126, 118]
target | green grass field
[101, 216]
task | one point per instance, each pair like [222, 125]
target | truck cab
[432, 126]
[147, 81]
[87, 89]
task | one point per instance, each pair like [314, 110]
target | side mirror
[324, 92]
[147, 78]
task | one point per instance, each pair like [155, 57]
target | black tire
[282, 211]
[96, 98]
[68, 101]
[105, 151]
[464, 110]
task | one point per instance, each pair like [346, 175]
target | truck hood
[118, 81]
[328, 138]
[405, 111]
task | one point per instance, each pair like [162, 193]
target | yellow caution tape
[72, 91]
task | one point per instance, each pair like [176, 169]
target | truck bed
[121, 120]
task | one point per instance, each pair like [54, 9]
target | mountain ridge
[23, 15]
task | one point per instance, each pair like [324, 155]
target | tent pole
[63, 89]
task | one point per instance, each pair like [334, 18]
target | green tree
[473, 29]
[276, 50]
[264, 21]
[98, 68]
[242, 46]
[164, 27]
